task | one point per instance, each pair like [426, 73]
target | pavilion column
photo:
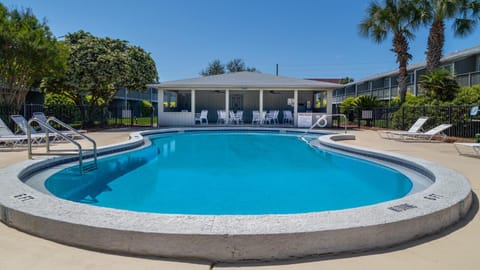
[227, 103]
[192, 102]
[260, 101]
[160, 106]
[295, 107]
[329, 101]
[160, 100]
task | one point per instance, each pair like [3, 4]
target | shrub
[366, 102]
[412, 108]
[347, 104]
[99, 101]
[347, 108]
[57, 99]
[62, 108]
[146, 108]
[468, 95]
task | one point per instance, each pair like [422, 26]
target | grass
[137, 121]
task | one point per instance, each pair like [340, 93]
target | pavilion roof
[245, 80]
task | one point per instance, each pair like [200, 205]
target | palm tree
[400, 18]
[435, 12]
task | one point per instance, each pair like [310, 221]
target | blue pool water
[230, 173]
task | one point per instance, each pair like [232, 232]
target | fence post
[387, 116]
[151, 116]
[359, 117]
[450, 114]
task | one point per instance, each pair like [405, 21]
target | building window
[478, 63]
[386, 82]
[320, 101]
[177, 101]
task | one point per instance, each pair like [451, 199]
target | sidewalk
[456, 248]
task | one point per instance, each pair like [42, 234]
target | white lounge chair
[272, 117]
[424, 136]
[259, 118]
[263, 116]
[8, 138]
[203, 115]
[239, 116]
[415, 128]
[255, 117]
[234, 119]
[269, 117]
[468, 149]
[41, 117]
[222, 117]
[37, 137]
[287, 117]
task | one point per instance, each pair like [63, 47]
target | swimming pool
[438, 198]
[231, 173]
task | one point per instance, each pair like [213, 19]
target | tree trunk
[402, 82]
[436, 40]
[400, 47]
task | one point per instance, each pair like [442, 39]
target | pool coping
[235, 237]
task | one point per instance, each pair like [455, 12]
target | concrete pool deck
[452, 249]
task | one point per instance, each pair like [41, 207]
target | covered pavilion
[244, 91]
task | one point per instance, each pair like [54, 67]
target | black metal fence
[463, 124]
[101, 117]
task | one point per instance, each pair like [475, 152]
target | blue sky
[306, 38]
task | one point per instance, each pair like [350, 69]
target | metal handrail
[334, 114]
[58, 121]
[48, 128]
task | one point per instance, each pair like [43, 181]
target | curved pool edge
[239, 238]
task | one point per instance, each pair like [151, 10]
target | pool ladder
[82, 153]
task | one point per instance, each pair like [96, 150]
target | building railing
[468, 79]
[137, 95]
[464, 79]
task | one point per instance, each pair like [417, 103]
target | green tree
[346, 80]
[213, 68]
[99, 68]
[28, 52]
[399, 18]
[237, 65]
[435, 12]
[439, 84]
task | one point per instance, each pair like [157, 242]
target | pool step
[89, 167]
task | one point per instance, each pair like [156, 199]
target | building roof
[330, 80]
[458, 55]
[245, 80]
